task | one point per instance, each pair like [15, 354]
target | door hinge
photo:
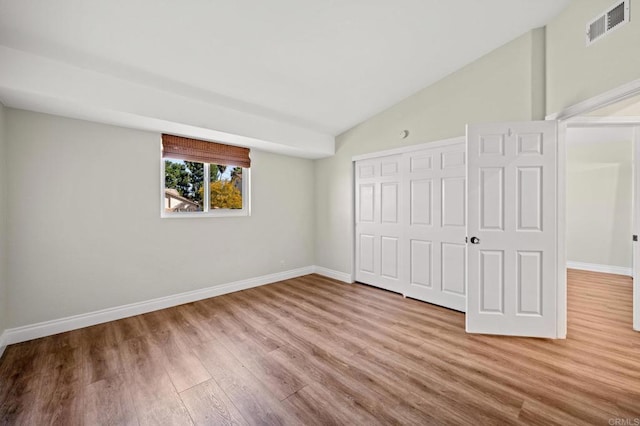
[635, 238]
[466, 239]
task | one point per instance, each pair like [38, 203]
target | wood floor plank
[278, 378]
[312, 350]
[317, 335]
[537, 413]
[61, 392]
[141, 353]
[430, 388]
[355, 322]
[19, 400]
[101, 362]
[316, 405]
[108, 402]
[209, 405]
[259, 304]
[253, 308]
[155, 399]
[186, 319]
[69, 340]
[157, 321]
[322, 367]
[502, 370]
[239, 329]
[251, 347]
[256, 403]
[153, 393]
[128, 328]
[23, 359]
[182, 365]
[100, 335]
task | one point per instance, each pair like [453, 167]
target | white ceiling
[275, 71]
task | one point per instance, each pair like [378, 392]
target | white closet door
[435, 224]
[378, 228]
[512, 276]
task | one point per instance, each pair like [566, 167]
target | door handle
[475, 240]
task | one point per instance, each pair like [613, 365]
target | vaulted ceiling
[283, 75]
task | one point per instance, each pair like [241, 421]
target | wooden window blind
[204, 152]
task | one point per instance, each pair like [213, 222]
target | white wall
[599, 203]
[85, 230]
[3, 224]
[503, 85]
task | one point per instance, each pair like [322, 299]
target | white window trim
[246, 198]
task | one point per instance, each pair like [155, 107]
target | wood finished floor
[314, 351]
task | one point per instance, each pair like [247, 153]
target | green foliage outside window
[187, 177]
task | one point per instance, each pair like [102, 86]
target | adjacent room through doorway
[601, 222]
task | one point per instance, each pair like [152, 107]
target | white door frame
[636, 227]
[569, 118]
[409, 148]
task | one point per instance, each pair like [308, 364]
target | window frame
[207, 212]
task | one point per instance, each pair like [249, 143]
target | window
[204, 178]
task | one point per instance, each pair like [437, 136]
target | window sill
[219, 213]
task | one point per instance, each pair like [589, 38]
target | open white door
[512, 229]
[636, 229]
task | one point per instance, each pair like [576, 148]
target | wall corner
[4, 292]
[538, 73]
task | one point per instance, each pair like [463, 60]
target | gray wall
[3, 223]
[503, 85]
[599, 203]
[85, 228]
[576, 72]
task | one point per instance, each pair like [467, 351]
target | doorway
[603, 192]
[599, 199]
[599, 226]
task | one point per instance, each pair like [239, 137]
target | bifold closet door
[378, 222]
[411, 223]
[435, 224]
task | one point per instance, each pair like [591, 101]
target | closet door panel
[379, 214]
[435, 227]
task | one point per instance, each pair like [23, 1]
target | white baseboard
[336, 275]
[47, 328]
[3, 342]
[594, 267]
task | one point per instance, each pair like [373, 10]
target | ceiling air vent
[612, 19]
